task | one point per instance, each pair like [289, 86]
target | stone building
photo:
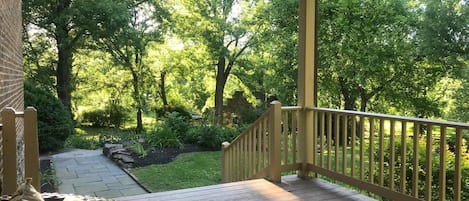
[11, 70]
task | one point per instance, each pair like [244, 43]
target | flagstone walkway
[89, 172]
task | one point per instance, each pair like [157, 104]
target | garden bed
[163, 155]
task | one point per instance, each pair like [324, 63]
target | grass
[187, 171]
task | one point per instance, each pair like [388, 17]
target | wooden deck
[291, 188]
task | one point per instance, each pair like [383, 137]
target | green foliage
[177, 123]
[163, 137]
[449, 163]
[137, 148]
[81, 142]
[54, 122]
[164, 111]
[212, 136]
[112, 115]
[97, 118]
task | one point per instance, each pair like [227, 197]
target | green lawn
[187, 171]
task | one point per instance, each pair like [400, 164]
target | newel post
[31, 147]
[225, 166]
[274, 141]
[9, 151]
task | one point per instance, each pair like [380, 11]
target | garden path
[89, 172]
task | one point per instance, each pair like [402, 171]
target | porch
[391, 157]
[291, 188]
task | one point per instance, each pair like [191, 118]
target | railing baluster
[371, 162]
[428, 163]
[442, 176]
[344, 144]
[392, 153]
[322, 134]
[259, 148]
[294, 135]
[336, 143]
[240, 159]
[285, 137]
[266, 142]
[362, 148]
[329, 140]
[354, 133]
[252, 150]
[403, 156]
[457, 161]
[315, 139]
[381, 152]
[415, 161]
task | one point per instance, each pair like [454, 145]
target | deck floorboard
[291, 189]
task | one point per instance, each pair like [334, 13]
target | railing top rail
[394, 117]
[291, 108]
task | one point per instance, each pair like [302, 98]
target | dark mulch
[164, 155]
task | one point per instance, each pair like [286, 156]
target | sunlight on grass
[187, 171]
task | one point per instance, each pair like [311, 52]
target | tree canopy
[402, 57]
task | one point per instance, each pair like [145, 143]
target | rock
[119, 154]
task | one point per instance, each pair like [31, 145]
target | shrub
[112, 115]
[161, 112]
[192, 135]
[54, 122]
[97, 118]
[177, 123]
[450, 169]
[138, 148]
[212, 136]
[162, 138]
[81, 142]
[117, 114]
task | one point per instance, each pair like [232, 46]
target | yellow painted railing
[395, 157]
[9, 143]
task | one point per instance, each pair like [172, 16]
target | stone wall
[11, 70]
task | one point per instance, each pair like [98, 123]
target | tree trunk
[349, 99]
[63, 73]
[65, 54]
[138, 101]
[163, 89]
[219, 89]
[363, 103]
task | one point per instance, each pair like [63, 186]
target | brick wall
[11, 69]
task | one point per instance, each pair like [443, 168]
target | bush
[161, 112]
[117, 114]
[192, 135]
[177, 123]
[97, 118]
[54, 122]
[162, 138]
[111, 115]
[81, 142]
[212, 136]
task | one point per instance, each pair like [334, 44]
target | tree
[128, 45]
[226, 28]
[67, 22]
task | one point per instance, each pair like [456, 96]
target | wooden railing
[363, 150]
[9, 143]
